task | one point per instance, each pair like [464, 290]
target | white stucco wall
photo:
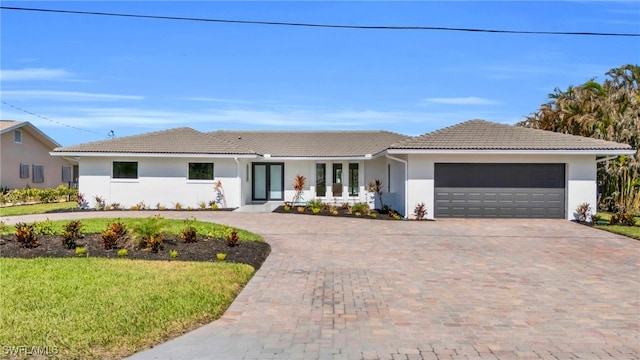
[161, 181]
[580, 173]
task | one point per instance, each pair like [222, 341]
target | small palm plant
[298, 185]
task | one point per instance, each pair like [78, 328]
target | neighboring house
[473, 169]
[26, 159]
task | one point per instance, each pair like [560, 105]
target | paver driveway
[451, 289]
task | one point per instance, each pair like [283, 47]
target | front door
[267, 181]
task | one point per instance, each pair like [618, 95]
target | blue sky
[138, 75]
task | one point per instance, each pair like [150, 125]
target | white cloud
[65, 95]
[29, 74]
[469, 100]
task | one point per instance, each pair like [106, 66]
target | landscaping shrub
[71, 233]
[189, 234]
[114, 234]
[100, 203]
[584, 212]
[362, 208]
[81, 251]
[298, 186]
[123, 253]
[148, 233]
[315, 205]
[44, 227]
[221, 256]
[82, 202]
[376, 187]
[173, 254]
[4, 229]
[232, 239]
[26, 235]
[420, 211]
[28, 194]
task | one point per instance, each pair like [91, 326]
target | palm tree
[608, 111]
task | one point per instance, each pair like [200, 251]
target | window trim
[113, 177]
[213, 172]
[17, 136]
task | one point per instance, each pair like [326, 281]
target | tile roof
[312, 143]
[174, 141]
[484, 135]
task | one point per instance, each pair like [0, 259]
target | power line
[364, 27]
[46, 118]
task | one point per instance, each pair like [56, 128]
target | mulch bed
[247, 252]
[380, 214]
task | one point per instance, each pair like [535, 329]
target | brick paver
[451, 289]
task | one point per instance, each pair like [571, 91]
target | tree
[608, 111]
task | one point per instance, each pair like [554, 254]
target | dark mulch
[247, 252]
[380, 214]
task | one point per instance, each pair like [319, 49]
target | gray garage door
[499, 190]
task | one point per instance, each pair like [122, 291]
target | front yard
[100, 304]
[110, 308]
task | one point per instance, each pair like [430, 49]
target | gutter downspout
[406, 183]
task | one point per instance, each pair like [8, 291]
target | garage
[499, 190]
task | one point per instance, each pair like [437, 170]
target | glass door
[268, 181]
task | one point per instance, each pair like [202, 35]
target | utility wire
[46, 118]
[364, 27]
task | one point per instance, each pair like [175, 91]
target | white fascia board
[513, 152]
[143, 155]
[326, 158]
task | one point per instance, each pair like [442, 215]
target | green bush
[71, 233]
[49, 195]
[44, 227]
[148, 233]
[81, 251]
[26, 235]
[123, 253]
[173, 254]
[362, 208]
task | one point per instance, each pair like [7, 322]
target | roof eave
[318, 158]
[515, 151]
[148, 155]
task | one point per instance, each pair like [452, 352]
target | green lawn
[173, 227]
[630, 231]
[36, 208]
[110, 308]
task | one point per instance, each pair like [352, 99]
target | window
[337, 179]
[200, 171]
[38, 173]
[24, 171]
[354, 189]
[321, 179]
[66, 174]
[125, 170]
[389, 178]
[17, 136]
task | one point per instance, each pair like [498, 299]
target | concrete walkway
[450, 289]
